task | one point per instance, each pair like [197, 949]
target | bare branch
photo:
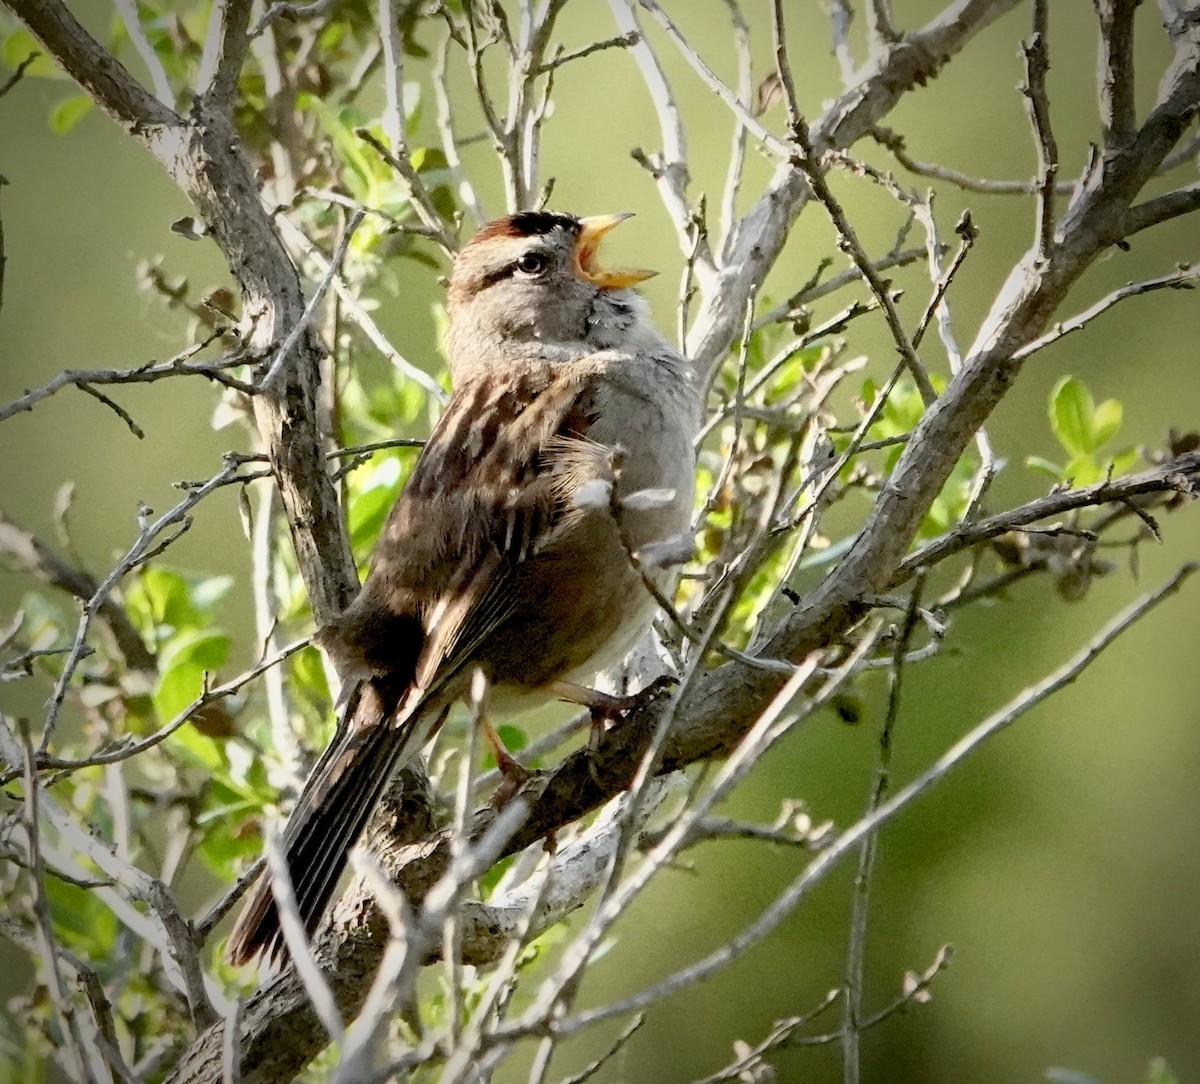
[141, 551]
[328, 269]
[737, 159]
[1116, 82]
[126, 750]
[881, 24]
[841, 15]
[224, 53]
[761, 234]
[780, 1036]
[450, 140]
[204, 158]
[624, 41]
[805, 159]
[856, 946]
[710, 78]
[1180, 279]
[1037, 64]
[422, 202]
[18, 73]
[1179, 475]
[1019, 313]
[296, 937]
[161, 923]
[670, 170]
[1163, 208]
[83, 1060]
[180, 365]
[339, 254]
[894, 142]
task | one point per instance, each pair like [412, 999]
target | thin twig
[1179, 475]
[714, 82]
[180, 365]
[357, 313]
[622, 41]
[894, 142]
[161, 923]
[805, 158]
[841, 15]
[856, 943]
[1180, 279]
[450, 140]
[77, 1047]
[18, 73]
[745, 1063]
[296, 938]
[310, 309]
[137, 35]
[670, 169]
[127, 750]
[141, 551]
[422, 202]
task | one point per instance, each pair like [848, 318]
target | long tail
[337, 800]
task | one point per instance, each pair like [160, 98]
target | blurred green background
[1061, 861]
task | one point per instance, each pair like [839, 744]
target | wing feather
[491, 488]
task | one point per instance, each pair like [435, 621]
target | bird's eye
[532, 263]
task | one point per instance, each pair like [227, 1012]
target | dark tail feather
[337, 800]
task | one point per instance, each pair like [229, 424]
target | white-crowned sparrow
[509, 549]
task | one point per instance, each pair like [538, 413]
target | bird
[566, 450]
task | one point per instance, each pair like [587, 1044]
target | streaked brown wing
[492, 485]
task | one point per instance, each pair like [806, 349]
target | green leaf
[82, 920]
[1160, 1072]
[160, 597]
[1084, 470]
[371, 505]
[1124, 462]
[69, 112]
[198, 750]
[1036, 462]
[1106, 421]
[183, 665]
[309, 675]
[19, 46]
[513, 737]
[1071, 411]
[366, 170]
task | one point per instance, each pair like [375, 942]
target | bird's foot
[514, 774]
[606, 708]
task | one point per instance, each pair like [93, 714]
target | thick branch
[203, 156]
[93, 67]
[1116, 72]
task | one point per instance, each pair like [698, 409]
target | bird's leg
[515, 774]
[605, 707]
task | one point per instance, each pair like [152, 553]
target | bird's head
[534, 278]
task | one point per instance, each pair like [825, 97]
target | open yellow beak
[593, 232]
